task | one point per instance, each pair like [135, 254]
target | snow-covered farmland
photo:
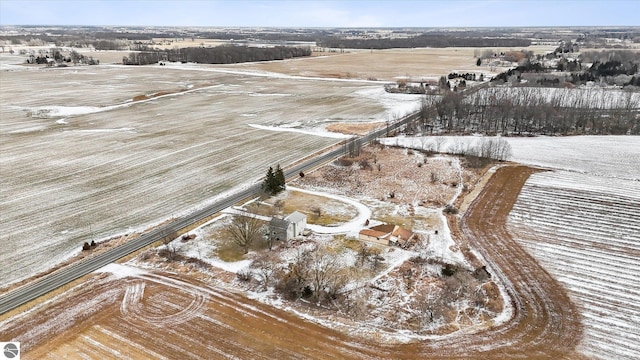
[81, 160]
[587, 234]
[601, 156]
[583, 225]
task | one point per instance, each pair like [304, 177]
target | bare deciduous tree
[245, 230]
[438, 142]
[493, 148]
[325, 275]
[266, 267]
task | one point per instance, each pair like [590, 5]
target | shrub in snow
[244, 275]
[449, 270]
[450, 209]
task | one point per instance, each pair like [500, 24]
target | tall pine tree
[274, 181]
[279, 179]
[269, 181]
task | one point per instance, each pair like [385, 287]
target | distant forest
[425, 40]
[226, 54]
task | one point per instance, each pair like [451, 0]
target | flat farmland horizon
[82, 161]
[416, 64]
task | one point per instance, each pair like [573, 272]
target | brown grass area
[393, 175]
[354, 129]
[332, 211]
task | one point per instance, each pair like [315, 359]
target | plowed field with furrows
[588, 237]
[82, 161]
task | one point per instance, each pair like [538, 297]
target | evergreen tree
[274, 181]
[269, 182]
[279, 179]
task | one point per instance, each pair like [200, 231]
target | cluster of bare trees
[485, 148]
[215, 55]
[314, 273]
[611, 67]
[57, 56]
[518, 111]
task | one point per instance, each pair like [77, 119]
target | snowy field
[583, 225]
[585, 230]
[600, 156]
[82, 161]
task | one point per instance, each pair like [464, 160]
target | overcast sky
[322, 13]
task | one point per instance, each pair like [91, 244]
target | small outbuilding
[386, 234]
[297, 223]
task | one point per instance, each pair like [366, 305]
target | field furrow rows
[599, 229]
[587, 207]
[620, 250]
[572, 182]
[589, 238]
[96, 175]
[591, 252]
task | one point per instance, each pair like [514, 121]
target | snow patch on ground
[121, 270]
[397, 105]
[314, 132]
[606, 156]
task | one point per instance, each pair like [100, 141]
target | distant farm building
[286, 229]
[386, 234]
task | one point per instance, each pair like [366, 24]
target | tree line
[523, 111]
[56, 56]
[215, 55]
[424, 40]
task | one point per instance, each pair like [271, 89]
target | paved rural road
[58, 278]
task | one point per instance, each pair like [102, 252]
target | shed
[386, 234]
[297, 223]
[374, 236]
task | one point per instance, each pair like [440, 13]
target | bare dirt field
[153, 314]
[546, 323]
[388, 65]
